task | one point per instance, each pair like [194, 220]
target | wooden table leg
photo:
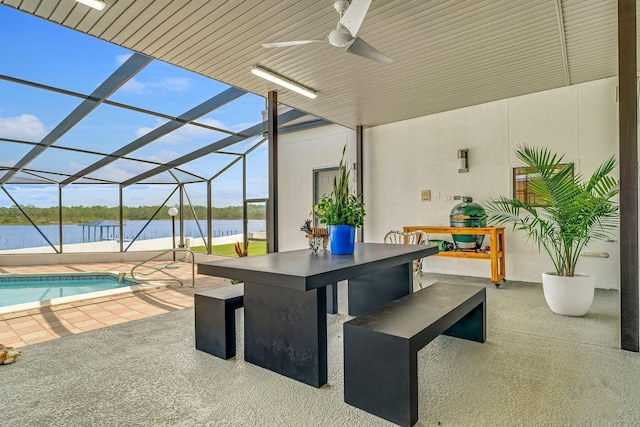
[494, 256]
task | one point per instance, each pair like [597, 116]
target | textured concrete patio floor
[536, 369]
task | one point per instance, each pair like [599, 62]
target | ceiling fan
[345, 35]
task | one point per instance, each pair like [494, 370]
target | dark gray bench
[216, 320]
[381, 347]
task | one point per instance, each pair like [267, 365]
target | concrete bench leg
[332, 298]
[215, 327]
[381, 375]
[472, 326]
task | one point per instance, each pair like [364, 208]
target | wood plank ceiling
[447, 54]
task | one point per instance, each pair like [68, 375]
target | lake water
[26, 236]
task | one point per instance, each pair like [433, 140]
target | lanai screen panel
[28, 113]
[258, 166]
[30, 218]
[11, 153]
[42, 51]
[107, 129]
[61, 161]
[70, 136]
[178, 143]
[210, 165]
[237, 115]
[167, 89]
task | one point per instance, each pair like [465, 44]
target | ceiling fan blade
[354, 15]
[291, 43]
[361, 48]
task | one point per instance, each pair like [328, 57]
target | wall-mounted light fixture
[96, 4]
[463, 160]
[284, 82]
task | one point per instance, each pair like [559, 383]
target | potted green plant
[572, 212]
[341, 211]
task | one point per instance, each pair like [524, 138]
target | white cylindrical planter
[568, 296]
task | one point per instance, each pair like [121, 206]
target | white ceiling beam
[563, 42]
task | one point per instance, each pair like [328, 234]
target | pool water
[20, 289]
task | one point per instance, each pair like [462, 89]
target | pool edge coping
[138, 287]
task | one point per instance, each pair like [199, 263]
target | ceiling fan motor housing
[352, 14]
[341, 6]
[340, 37]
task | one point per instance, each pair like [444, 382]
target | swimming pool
[26, 291]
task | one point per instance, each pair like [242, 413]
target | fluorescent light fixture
[283, 81]
[96, 4]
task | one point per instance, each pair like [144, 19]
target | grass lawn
[255, 248]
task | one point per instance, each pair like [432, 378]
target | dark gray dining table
[285, 299]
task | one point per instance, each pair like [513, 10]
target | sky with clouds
[46, 53]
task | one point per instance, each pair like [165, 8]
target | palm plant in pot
[341, 211]
[572, 212]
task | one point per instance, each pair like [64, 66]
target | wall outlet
[425, 195]
[438, 195]
[446, 198]
[456, 197]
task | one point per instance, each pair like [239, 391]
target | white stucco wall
[299, 154]
[403, 158]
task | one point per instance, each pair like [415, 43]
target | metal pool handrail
[172, 279]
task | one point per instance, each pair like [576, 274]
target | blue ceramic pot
[342, 238]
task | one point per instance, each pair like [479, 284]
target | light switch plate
[426, 195]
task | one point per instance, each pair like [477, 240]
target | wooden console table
[496, 242]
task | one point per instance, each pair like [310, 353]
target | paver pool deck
[18, 329]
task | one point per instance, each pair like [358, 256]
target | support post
[173, 237]
[272, 206]
[245, 213]
[209, 217]
[181, 216]
[121, 215]
[359, 169]
[60, 215]
[628, 153]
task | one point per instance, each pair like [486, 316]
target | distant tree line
[81, 214]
